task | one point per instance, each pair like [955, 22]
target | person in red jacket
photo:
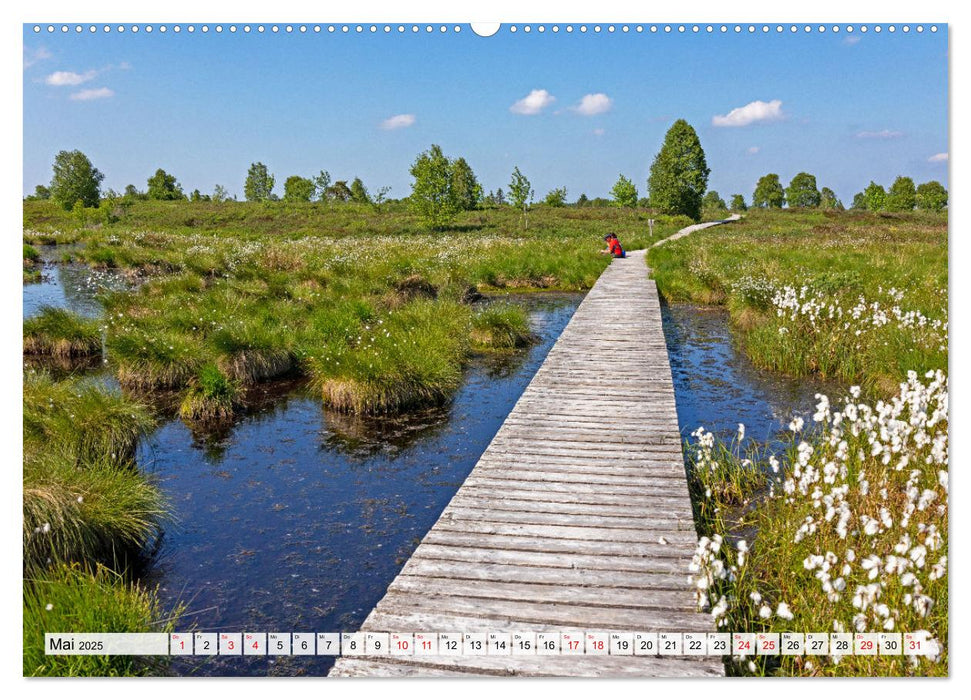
[613, 246]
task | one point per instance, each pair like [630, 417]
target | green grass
[211, 397]
[261, 291]
[61, 333]
[404, 358]
[501, 327]
[83, 420]
[71, 599]
[856, 296]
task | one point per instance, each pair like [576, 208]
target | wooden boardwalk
[577, 515]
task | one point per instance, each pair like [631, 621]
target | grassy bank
[372, 307]
[856, 296]
[88, 512]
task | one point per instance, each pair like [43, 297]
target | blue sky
[847, 108]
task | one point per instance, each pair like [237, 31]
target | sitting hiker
[613, 246]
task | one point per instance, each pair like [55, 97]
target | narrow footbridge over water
[576, 517]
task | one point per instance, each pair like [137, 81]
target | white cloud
[851, 40]
[534, 103]
[757, 111]
[398, 121]
[93, 94]
[598, 132]
[66, 77]
[34, 56]
[938, 158]
[597, 103]
[752, 150]
[883, 135]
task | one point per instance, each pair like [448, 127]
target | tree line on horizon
[443, 187]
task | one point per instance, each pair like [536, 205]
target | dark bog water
[716, 386]
[297, 519]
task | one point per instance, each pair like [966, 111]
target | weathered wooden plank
[512, 573]
[438, 588]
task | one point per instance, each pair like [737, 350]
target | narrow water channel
[717, 387]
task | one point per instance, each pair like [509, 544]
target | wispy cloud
[32, 56]
[938, 158]
[598, 132]
[852, 40]
[752, 150]
[751, 113]
[597, 103]
[93, 94]
[882, 135]
[66, 77]
[398, 121]
[534, 103]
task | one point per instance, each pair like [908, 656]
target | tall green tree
[768, 192]
[163, 186]
[555, 198]
[298, 189]
[712, 201]
[259, 183]
[802, 191]
[583, 200]
[219, 194]
[875, 197]
[902, 195]
[829, 200]
[40, 192]
[466, 186]
[679, 173]
[859, 202]
[339, 191]
[321, 184]
[624, 193]
[521, 194]
[738, 203]
[931, 196]
[359, 192]
[75, 180]
[433, 196]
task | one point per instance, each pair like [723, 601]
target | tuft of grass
[61, 333]
[72, 599]
[93, 511]
[212, 397]
[411, 357]
[81, 420]
[501, 327]
[31, 255]
[150, 359]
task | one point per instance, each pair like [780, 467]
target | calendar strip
[553, 643]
